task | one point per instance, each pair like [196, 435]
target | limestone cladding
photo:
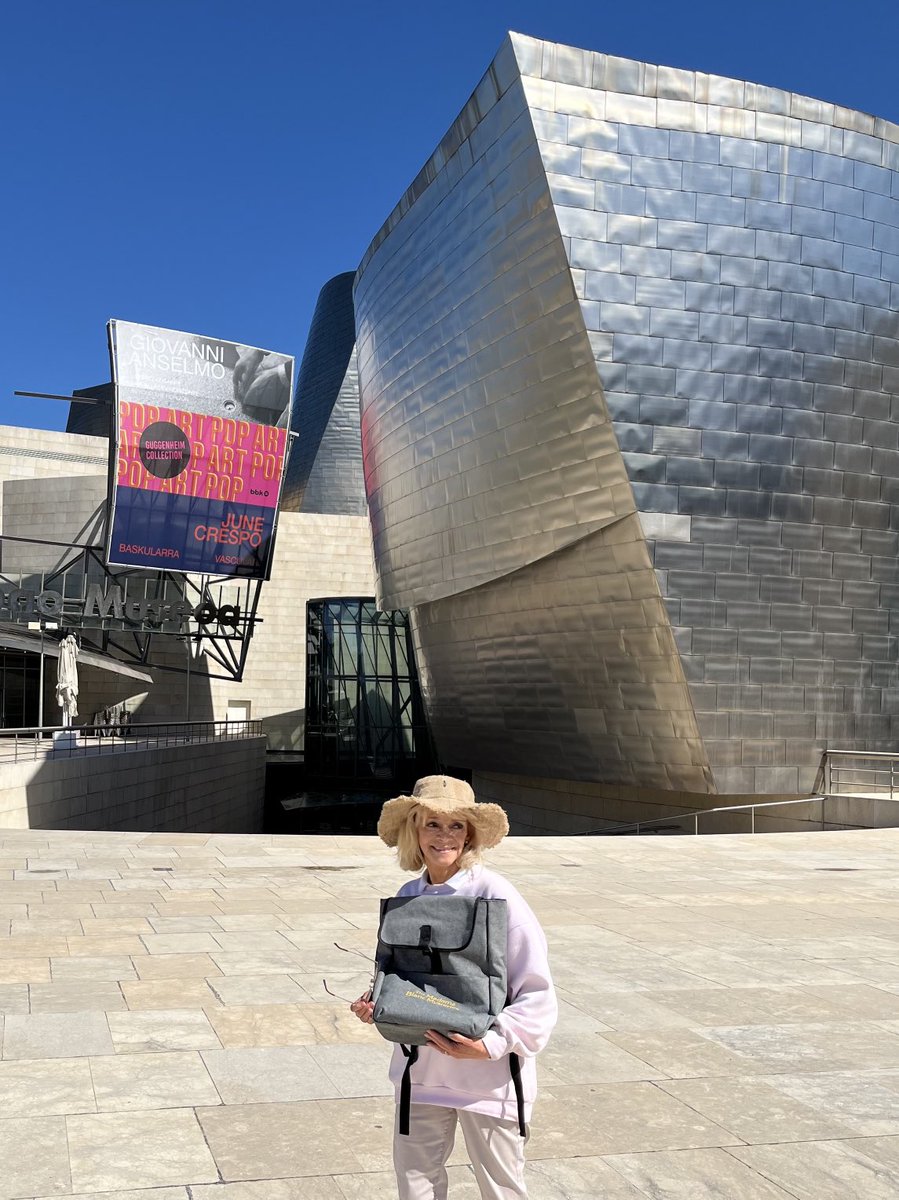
[67, 509]
[46, 454]
[211, 787]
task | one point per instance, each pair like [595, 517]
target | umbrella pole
[40, 686]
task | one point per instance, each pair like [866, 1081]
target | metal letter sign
[201, 439]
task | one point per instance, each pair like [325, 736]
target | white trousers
[495, 1147]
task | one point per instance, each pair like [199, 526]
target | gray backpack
[441, 964]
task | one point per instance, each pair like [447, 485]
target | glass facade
[364, 716]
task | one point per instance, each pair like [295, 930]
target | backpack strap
[406, 1087]
[515, 1070]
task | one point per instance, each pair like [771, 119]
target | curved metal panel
[566, 668]
[734, 257]
[324, 471]
[485, 437]
[736, 249]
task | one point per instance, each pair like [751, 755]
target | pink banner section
[194, 454]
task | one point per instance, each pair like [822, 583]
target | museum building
[626, 355]
[628, 352]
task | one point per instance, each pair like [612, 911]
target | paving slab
[103, 967]
[56, 1035]
[825, 1170]
[614, 1118]
[865, 1103]
[262, 1025]
[14, 998]
[685, 1053]
[760, 1109]
[120, 1151]
[187, 965]
[356, 1070]
[317, 1188]
[242, 991]
[729, 1018]
[586, 1178]
[42, 1087]
[263, 1075]
[105, 996]
[169, 993]
[34, 1157]
[170, 1193]
[152, 1030]
[177, 1079]
[695, 1175]
[24, 970]
[328, 1137]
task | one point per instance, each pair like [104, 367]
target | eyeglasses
[370, 961]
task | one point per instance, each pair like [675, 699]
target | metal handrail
[833, 775]
[861, 754]
[39, 741]
[826, 783]
[702, 812]
[636, 826]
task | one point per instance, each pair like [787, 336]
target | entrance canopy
[16, 638]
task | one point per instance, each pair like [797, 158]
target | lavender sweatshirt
[523, 1027]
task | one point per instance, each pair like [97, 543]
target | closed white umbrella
[67, 679]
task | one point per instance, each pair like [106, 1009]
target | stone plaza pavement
[729, 1026]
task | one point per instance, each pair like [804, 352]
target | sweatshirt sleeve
[524, 1025]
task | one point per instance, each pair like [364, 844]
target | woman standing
[441, 829]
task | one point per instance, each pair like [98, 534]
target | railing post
[752, 815]
[828, 781]
[696, 824]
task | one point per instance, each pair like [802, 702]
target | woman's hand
[455, 1045]
[363, 1008]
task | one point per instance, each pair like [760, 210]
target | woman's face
[441, 839]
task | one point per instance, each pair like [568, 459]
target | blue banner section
[188, 533]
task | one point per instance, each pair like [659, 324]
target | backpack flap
[441, 965]
[447, 923]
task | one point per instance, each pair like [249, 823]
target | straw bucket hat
[443, 794]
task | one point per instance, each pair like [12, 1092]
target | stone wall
[212, 787]
[39, 453]
[68, 509]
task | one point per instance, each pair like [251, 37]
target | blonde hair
[408, 851]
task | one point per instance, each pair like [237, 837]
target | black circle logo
[164, 449]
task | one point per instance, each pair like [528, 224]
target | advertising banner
[201, 438]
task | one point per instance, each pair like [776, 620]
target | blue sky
[208, 164]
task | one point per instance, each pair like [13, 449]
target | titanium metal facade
[628, 351]
[324, 471]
